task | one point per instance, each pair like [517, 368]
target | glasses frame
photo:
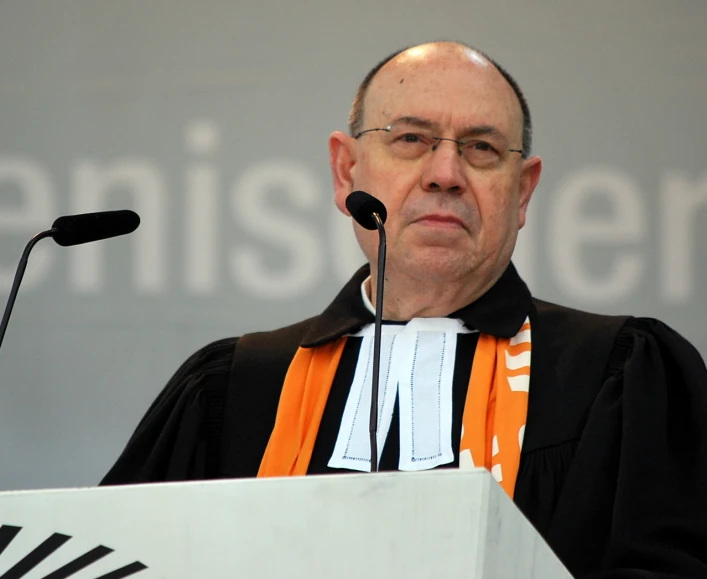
[458, 143]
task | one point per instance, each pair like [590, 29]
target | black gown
[613, 470]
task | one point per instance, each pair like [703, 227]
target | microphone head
[362, 206]
[87, 227]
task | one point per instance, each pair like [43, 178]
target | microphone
[370, 213]
[87, 227]
[72, 230]
[363, 206]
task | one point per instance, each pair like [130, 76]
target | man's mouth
[441, 220]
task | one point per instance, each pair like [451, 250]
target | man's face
[450, 218]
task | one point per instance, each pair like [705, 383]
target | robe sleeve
[639, 496]
[180, 435]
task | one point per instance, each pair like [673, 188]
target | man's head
[454, 208]
[356, 112]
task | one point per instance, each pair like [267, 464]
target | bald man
[594, 425]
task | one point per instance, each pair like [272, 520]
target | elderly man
[594, 425]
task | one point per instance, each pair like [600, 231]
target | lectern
[433, 525]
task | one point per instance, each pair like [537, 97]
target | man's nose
[444, 170]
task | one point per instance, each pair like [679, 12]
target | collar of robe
[500, 312]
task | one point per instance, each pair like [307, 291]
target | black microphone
[87, 227]
[363, 206]
[72, 230]
[370, 213]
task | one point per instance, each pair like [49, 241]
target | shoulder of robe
[212, 358]
[260, 363]
[570, 328]
[570, 338]
[571, 341]
[575, 354]
[205, 369]
[192, 400]
[570, 352]
[649, 338]
[261, 354]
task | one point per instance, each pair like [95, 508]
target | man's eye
[481, 154]
[408, 144]
[482, 146]
[411, 138]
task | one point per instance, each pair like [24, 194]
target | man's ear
[342, 158]
[529, 177]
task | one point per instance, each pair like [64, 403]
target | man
[598, 435]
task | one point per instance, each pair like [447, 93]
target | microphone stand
[72, 230]
[373, 423]
[19, 274]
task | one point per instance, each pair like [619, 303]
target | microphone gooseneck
[71, 230]
[370, 213]
[19, 274]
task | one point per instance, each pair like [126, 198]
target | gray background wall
[211, 120]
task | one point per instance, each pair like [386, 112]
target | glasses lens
[408, 141]
[482, 153]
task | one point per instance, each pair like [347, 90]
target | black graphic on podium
[51, 545]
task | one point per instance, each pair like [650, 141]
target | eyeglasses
[410, 141]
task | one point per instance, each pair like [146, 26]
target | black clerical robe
[613, 469]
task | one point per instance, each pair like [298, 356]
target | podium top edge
[383, 477]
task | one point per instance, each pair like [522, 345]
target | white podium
[432, 525]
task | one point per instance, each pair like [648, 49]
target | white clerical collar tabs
[452, 325]
[417, 369]
[418, 326]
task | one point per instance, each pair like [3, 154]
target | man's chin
[439, 264]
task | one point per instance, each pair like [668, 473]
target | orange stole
[492, 425]
[299, 412]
